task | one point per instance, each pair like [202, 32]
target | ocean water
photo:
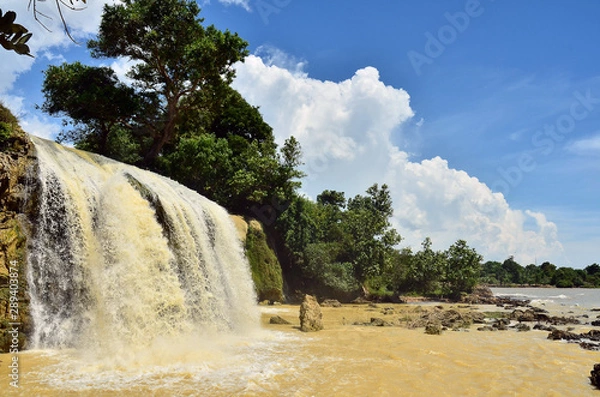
[559, 300]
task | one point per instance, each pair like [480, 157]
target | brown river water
[341, 360]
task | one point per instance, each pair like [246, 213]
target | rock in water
[433, 329]
[311, 318]
[331, 303]
[595, 376]
[278, 320]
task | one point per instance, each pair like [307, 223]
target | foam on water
[228, 364]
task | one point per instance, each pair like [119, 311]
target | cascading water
[120, 257]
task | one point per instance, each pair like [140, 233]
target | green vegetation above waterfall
[177, 114]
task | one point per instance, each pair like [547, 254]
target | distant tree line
[510, 272]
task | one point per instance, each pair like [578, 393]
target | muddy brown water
[341, 360]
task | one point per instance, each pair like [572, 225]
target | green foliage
[336, 246]
[369, 237]
[325, 273]
[9, 127]
[461, 269]
[179, 116]
[182, 71]
[203, 162]
[299, 222]
[511, 273]
[566, 277]
[5, 132]
[98, 105]
[513, 270]
[266, 271]
[186, 66]
[424, 270]
[593, 269]
[6, 115]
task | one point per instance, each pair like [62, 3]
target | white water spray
[121, 257]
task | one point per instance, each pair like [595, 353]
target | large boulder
[311, 317]
[433, 329]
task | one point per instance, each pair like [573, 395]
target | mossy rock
[266, 270]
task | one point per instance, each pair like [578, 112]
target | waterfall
[120, 256]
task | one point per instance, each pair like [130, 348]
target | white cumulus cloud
[347, 130]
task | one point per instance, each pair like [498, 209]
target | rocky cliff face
[15, 162]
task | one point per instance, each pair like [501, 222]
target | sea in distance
[560, 300]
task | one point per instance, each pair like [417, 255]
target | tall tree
[370, 236]
[183, 64]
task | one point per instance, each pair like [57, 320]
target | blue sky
[482, 116]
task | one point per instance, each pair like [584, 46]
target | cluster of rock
[504, 324]
[331, 303]
[311, 317]
[278, 320]
[483, 295]
[544, 322]
[587, 340]
[541, 315]
[434, 321]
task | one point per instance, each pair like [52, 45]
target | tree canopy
[177, 114]
[180, 65]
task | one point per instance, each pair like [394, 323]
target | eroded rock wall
[16, 160]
